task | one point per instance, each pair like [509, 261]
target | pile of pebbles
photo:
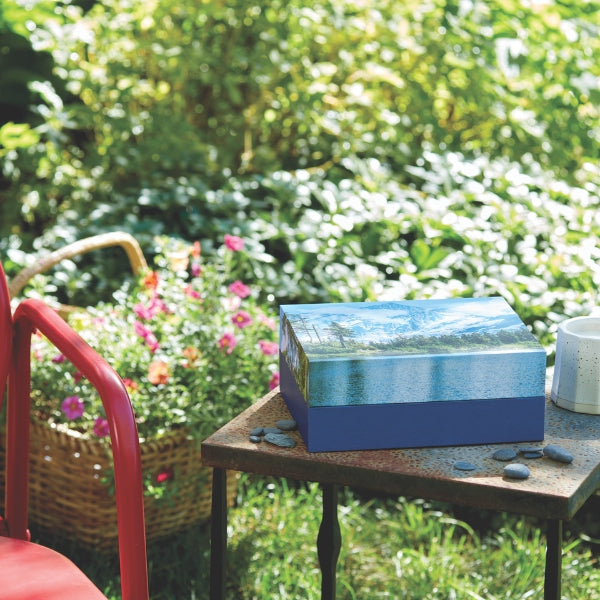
[275, 435]
[517, 470]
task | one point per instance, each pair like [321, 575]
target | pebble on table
[516, 471]
[558, 453]
[280, 439]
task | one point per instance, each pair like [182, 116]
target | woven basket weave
[77, 502]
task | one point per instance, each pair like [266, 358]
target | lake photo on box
[420, 378]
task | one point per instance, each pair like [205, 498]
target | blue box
[372, 375]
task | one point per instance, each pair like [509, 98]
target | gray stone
[558, 453]
[280, 439]
[272, 430]
[536, 454]
[287, 425]
[529, 449]
[255, 439]
[258, 431]
[463, 465]
[504, 454]
[516, 471]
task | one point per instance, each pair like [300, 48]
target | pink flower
[196, 269]
[72, 406]
[165, 475]
[157, 305]
[190, 292]
[142, 311]
[227, 342]
[268, 348]
[239, 289]
[233, 242]
[130, 384]
[147, 312]
[59, 358]
[274, 381]
[267, 321]
[77, 376]
[101, 427]
[147, 335]
[241, 319]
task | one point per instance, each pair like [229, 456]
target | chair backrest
[33, 315]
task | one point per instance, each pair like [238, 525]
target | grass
[392, 548]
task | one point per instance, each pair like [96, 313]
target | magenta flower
[239, 289]
[268, 348]
[227, 342]
[142, 312]
[148, 312]
[72, 406]
[190, 292]
[101, 427]
[59, 358]
[241, 319]
[274, 381]
[196, 269]
[233, 242]
[147, 335]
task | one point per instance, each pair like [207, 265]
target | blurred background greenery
[415, 149]
[390, 149]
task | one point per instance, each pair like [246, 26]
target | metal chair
[28, 570]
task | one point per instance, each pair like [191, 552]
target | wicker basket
[78, 503]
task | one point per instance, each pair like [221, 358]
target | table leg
[552, 580]
[218, 535]
[329, 541]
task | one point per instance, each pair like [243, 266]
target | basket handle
[116, 238]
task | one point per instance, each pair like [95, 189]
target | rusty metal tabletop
[553, 490]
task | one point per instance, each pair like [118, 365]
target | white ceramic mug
[576, 380]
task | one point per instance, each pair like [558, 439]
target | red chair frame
[33, 314]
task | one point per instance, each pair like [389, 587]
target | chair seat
[33, 572]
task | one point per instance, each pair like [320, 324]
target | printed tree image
[340, 332]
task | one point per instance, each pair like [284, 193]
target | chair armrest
[33, 314]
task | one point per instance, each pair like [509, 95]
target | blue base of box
[415, 424]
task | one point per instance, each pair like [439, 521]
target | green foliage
[164, 103]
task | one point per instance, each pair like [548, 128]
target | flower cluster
[190, 340]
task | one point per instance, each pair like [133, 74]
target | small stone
[287, 425]
[255, 439]
[463, 465]
[558, 453]
[504, 454]
[516, 471]
[258, 431]
[536, 454]
[529, 449]
[280, 439]
[271, 430]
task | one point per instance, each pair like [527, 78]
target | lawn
[391, 548]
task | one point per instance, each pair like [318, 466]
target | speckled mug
[576, 380]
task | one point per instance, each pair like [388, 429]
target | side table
[554, 491]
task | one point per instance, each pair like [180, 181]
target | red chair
[28, 570]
